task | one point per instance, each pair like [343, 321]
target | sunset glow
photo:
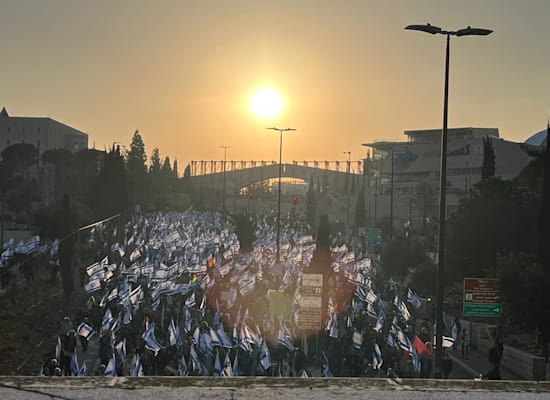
[266, 103]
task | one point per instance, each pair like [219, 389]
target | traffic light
[251, 194]
[295, 199]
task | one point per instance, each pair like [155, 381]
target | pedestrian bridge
[237, 178]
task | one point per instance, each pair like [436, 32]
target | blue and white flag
[182, 366]
[227, 368]
[120, 349]
[106, 322]
[58, 349]
[380, 321]
[224, 340]
[187, 320]
[265, 356]
[236, 364]
[173, 334]
[326, 368]
[151, 342]
[92, 286]
[217, 364]
[413, 299]
[75, 370]
[404, 341]
[110, 370]
[196, 364]
[135, 367]
[376, 357]
[85, 330]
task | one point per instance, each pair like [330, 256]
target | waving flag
[227, 368]
[135, 368]
[265, 356]
[211, 261]
[236, 364]
[110, 370]
[413, 299]
[75, 370]
[120, 348]
[217, 364]
[326, 368]
[173, 334]
[85, 330]
[107, 319]
[376, 357]
[182, 364]
[151, 342]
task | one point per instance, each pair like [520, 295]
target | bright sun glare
[266, 103]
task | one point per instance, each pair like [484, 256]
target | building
[416, 166]
[43, 132]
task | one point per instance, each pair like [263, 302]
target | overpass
[336, 176]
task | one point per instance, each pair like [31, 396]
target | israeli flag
[120, 348]
[236, 364]
[151, 342]
[217, 364]
[265, 357]
[326, 368]
[227, 368]
[85, 330]
[195, 362]
[106, 322]
[376, 357]
[404, 341]
[135, 368]
[182, 366]
[380, 321]
[110, 370]
[58, 349]
[173, 334]
[92, 286]
[75, 370]
[413, 299]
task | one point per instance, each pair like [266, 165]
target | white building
[417, 161]
[43, 132]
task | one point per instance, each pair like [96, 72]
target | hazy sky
[182, 71]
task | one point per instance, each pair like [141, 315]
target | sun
[266, 103]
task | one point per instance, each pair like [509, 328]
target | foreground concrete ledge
[132, 383]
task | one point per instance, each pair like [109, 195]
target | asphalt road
[15, 388]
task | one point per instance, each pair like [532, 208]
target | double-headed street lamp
[279, 196]
[469, 31]
[224, 161]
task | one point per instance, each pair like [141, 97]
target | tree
[245, 232]
[495, 218]
[175, 169]
[166, 170]
[110, 187]
[20, 156]
[137, 170]
[61, 160]
[154, 168]
[311, 204]
[360, 215]
[400, 256]
[488, 166]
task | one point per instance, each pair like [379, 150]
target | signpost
[481, 298]
[310, 312]
[373, 237]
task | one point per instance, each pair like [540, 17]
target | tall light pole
[279, 195]
[224, 161]
[391, 197]
[348, 218]
[443, 181]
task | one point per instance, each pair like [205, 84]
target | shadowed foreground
[264, 388]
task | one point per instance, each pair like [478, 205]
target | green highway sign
[482, 310]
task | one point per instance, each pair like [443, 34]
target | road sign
[310, 311]
[481, 298]
[373, 237]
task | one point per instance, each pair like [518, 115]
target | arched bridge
[237, 178]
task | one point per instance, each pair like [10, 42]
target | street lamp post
[279, 194]
[348, 218]
[391, 198]
[224, 161]
[443, 181]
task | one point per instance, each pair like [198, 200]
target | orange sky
[182, 71]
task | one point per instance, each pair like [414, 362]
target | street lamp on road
[279, 195]
[224, 161]
[431, 29]
[348, 218]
